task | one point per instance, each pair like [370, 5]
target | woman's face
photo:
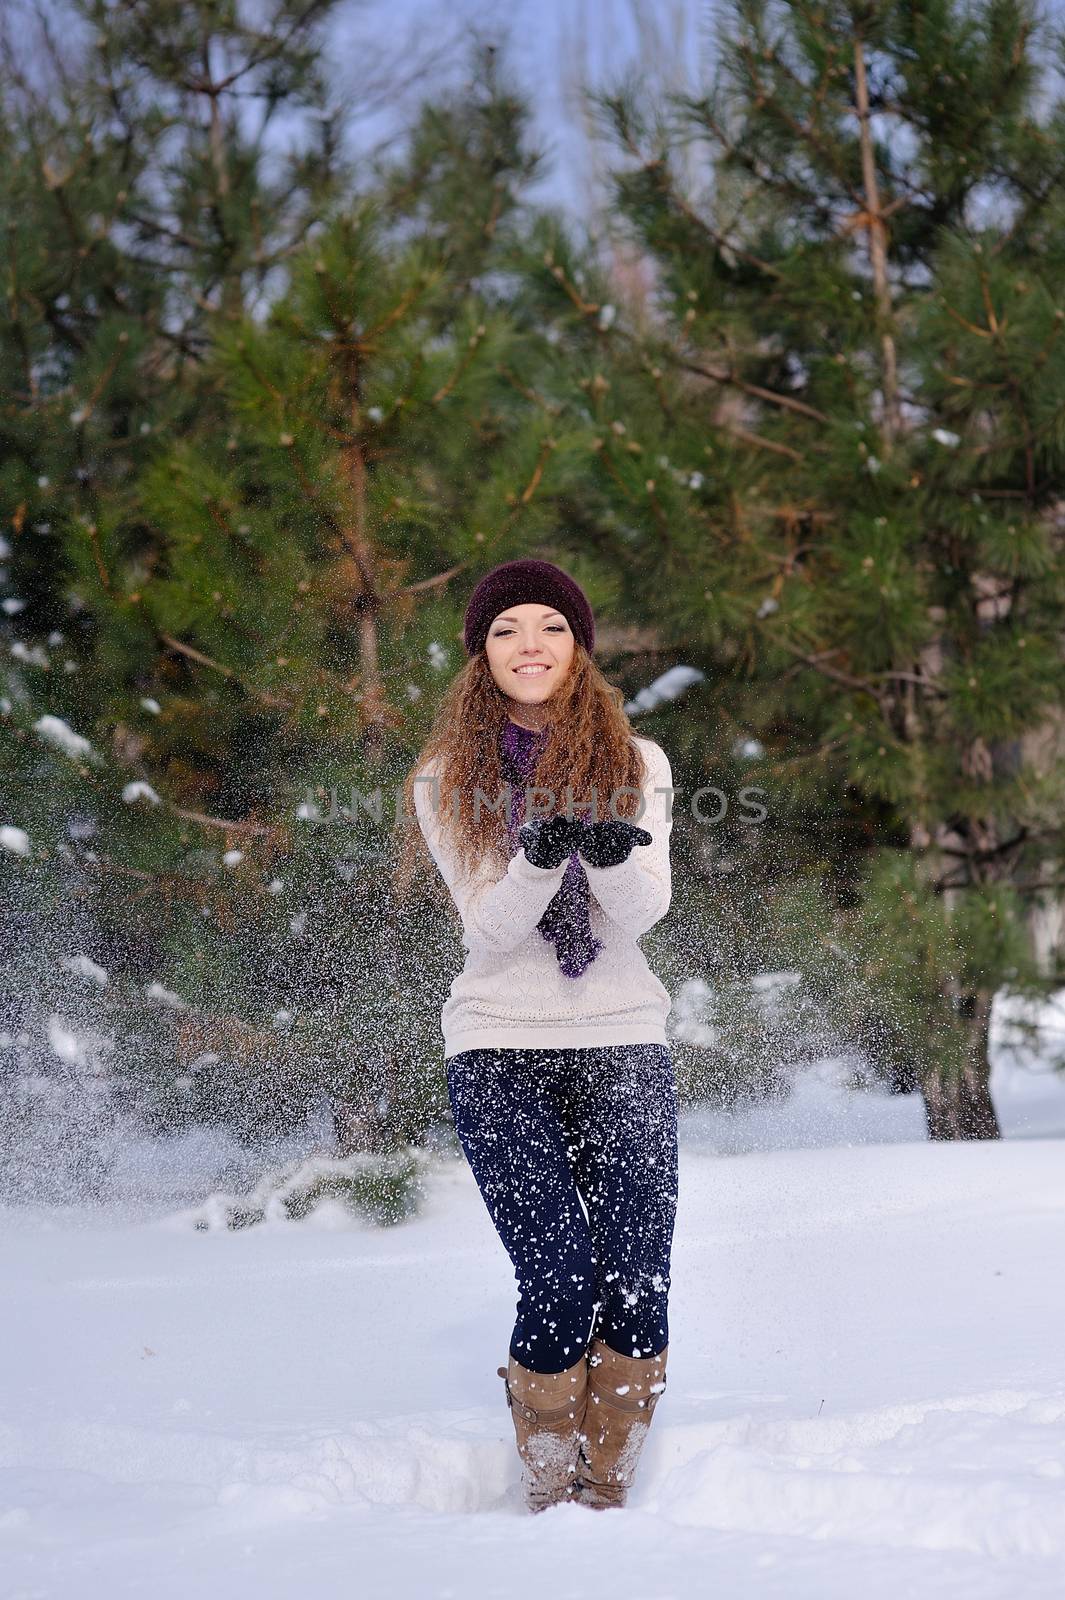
[528, 636]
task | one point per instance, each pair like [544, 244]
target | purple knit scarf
[565, 922]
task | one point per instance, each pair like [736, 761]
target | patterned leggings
[544, 1131]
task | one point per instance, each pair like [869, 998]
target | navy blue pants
[544, 1131]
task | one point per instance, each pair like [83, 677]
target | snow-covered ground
[866, 1391]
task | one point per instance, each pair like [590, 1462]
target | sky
[551, 46]
[387, 55]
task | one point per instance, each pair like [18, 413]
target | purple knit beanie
[516, 583]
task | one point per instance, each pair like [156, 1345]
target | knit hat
[526, 582]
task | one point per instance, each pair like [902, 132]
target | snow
[865, 1387]
[669, 685]
[64, 1040]
[61, 734]
[157, 991]
[86, 968]
[33, 655]
[139, 790]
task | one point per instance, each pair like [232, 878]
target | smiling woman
[558, 1066]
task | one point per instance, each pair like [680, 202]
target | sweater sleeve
[637, 892]
[497, 914]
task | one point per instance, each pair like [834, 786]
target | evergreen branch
[272, 48]
[330, 517]
[776, 764]
[659, 514]
[998, 494]
[721, 241]
[1026, 888]
[998, 330]
[186, 886]
[267, 698]
[747, 437]
[287, 406]
[494, 211]
[659, 170]
[804, 133]
[818, 664]
[552, 408]
[724, 376]
[256, 829]
[605, 458]
[401, 308]
[102, 381]
[961, 881]
[655, 375]
[461, 368]
[993, 323]
[587, 308]
[98, 555]
[970, 327]
[186, 239]
[1035, 202]
[538, 471]
[740, 157]
[989, 853]
[436, 582]
[929, 685]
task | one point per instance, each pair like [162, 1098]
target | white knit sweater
[511, 993]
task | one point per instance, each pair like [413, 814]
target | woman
[558, 1068]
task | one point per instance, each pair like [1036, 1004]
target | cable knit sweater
[511, 993]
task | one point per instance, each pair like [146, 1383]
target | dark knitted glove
[608, 844]
[548, 841]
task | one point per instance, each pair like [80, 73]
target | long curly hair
[589, 746]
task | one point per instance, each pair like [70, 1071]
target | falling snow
[59, 733]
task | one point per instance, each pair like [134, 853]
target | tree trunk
[958, 1105]
[874, 222]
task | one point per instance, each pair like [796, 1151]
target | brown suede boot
[547, 1409]
[622, 1394]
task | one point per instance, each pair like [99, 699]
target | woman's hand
[549, 840]
[608, 844]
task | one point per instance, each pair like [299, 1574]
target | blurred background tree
[246, 459]
[862, 299]
[791, 414]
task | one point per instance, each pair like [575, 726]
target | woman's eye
[552, 627]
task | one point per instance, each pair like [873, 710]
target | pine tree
[865, 309]
[303, 441]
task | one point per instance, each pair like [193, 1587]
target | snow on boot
[622, 1394]
[547, 1409]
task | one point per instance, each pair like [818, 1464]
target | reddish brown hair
[589, 746]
